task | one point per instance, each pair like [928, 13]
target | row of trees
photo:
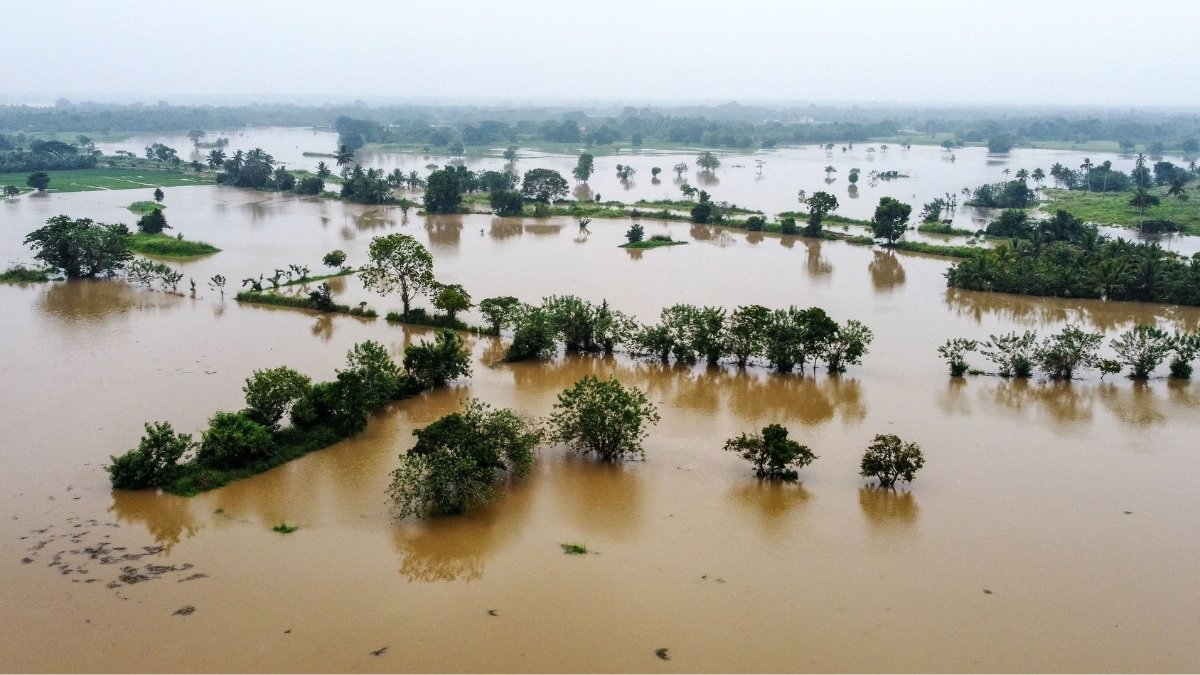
[1064, 257]
[784, 338]
[1141, 349]
[251, 440]
[39, 155]
[458, 459]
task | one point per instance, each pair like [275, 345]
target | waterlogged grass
[574, 549]
[290, 444]
[113, 178]
[145, 207]
[652, 243]
[168, 246]
[284, 528]
[319, 277]
[943, 228]
[19, 274]
[685, 205]
[1112, 208]
[937, 249]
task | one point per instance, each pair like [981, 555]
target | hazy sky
[1107, 52]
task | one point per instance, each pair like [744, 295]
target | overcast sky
[1105, 52]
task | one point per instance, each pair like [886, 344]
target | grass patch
[145, 207]
[290, 444]
[319, 277]
[652, 243]
[574, 549]
[169, 247]
[937, 249]
[417, 316]
[302, 302]
[284, 528]
[943, 228]
[686, 205]
[122, 176]
[19, 274]
[1112, 208]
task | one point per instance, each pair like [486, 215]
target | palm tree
[1139, 164]
[1039, 176]
[323, 170]
[1006, 172]
[803, 195]
[1104, 169]
[1022, 175]
[235, 163]
[1086, 168]
[216, 158]
[396, 178]
[1141, 199]
[344, 156]
[1177, 190]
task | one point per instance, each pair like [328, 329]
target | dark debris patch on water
[83, 550]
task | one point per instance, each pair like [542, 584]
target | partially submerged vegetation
[167, 246]
[241, 444]
[19, 274]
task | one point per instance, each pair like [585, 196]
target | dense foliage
[890, 459]
[80, 247]
[603, 417]
[458, 458]
[773, 454]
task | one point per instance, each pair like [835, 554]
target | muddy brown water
[1053, 527]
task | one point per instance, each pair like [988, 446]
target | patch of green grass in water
[19, 274]
[145, 207]
[168, 246]
[574, 549]
[284, 528]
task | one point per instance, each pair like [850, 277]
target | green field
[81, 180]
[1112, 208]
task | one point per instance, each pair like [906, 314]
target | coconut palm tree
[323, 170]
[344, 156]
[1177, 190]
[1022, 175]
[215, 158]
[1139, 163]
[1086, 168]
[1038, 176]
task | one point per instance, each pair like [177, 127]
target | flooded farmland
[1051, 529]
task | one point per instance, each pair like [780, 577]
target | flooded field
[1052, 529]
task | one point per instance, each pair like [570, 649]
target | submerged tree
[603, 417]
[773, 454]
[890, 459]
[1142, 348]
[457, 460]
[1012, 353]
[955, 353]
[1062, 354]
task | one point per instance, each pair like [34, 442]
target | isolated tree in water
[890, 459]
[397, 262]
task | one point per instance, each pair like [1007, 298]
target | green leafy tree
[233, 441]
[11, 191]
[955, 353]
[38, 180]
[773, 454]
[756, 223]
[510, 154]
[1013, 353]
[153, 223]
[745, 332]
[787, 225]
[434, 364]
[506, 203]
[457, 460]
[707, 161]
[335, 258]
[375, 374]
[635, 233]
[1142, 348]
[397, 262]
[1184, 348]
[819, 205]
[1142, 199]
[80, 247]
[603, 417]
[534, 335]
[154, 462]
[158, 195]
[544, 185]
[891, 219]
[452, 299]
[890, 459]
[443, 194]
[1062, 354]
[270, 394]
[499, 312]
[584, 167]
[846, 346]
[680, 169]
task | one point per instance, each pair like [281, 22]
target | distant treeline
[728, 125]
[17, 155]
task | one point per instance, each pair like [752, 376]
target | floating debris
[379, 652]
[184, 611]
[661, 653]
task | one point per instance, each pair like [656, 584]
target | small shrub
[772, 453]
[284, 528]
[574, 549]
[635, 233]
[434, 364]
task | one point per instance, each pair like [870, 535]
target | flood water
[1052, 529]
